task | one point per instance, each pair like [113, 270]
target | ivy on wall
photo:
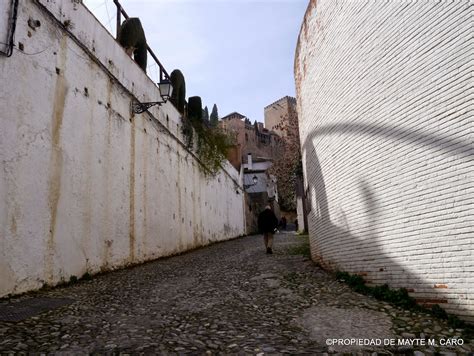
[209, 143]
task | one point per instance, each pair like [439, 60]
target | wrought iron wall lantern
[166, 89]
[254, 180]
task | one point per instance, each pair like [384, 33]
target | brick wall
[385, 95]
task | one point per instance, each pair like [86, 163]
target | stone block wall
[385, 95]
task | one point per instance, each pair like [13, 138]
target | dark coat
[267, 221]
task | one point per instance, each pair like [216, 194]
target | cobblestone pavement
[227, 298]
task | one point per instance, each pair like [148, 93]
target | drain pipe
[11, 30]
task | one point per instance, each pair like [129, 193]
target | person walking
[267, 224]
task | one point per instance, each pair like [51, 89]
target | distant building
[261, 188]
[250, 138]
[277, 114]
[254, 152]
[281, 117]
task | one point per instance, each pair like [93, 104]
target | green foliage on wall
[210, 143]
[287, 167]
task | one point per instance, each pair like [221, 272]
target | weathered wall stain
[108, 179]
[179, 198]
[303, 35]
[132, 190]
[196, 224]
[145, 158]
[13, 220]
[56, 161]
[87, 193]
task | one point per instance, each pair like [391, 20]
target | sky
[237, 54]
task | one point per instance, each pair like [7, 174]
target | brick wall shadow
[367, 256]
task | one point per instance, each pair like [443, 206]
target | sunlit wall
[385, 94]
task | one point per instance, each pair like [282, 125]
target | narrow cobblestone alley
[227, 298]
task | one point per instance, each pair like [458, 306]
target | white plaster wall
[386, 105]
[299, 213]
[85, 186]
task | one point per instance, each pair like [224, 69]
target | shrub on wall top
[178, 97]
[132, 37]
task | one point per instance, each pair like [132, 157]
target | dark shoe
[269, 250]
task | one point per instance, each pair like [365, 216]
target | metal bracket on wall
[138, 108]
